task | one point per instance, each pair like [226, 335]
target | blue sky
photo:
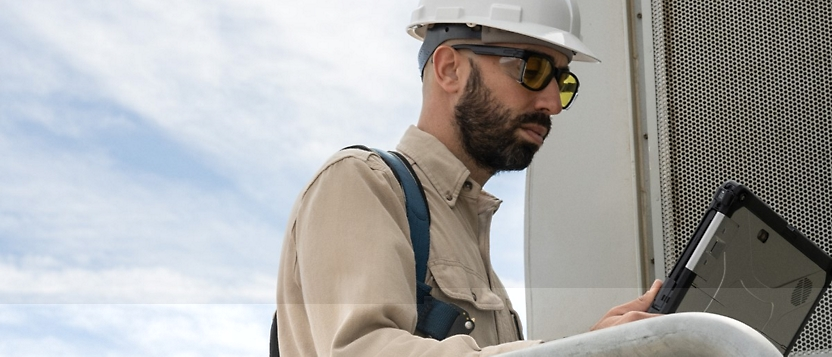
[151, 152]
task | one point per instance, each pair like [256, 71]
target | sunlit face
[490, 131]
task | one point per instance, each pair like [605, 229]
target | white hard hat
[552, 23]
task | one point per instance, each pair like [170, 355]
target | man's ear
[448, 69]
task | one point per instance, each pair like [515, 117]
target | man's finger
[642, 302]
[650, 294]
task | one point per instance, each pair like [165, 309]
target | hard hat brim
[557, 38]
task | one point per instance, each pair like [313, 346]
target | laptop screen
[747, 263]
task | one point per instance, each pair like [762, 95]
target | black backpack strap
[273, 350]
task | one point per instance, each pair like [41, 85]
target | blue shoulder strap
[436, 318]
[418, 217]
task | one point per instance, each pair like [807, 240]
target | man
[492, 80]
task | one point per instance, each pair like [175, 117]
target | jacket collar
[445, 172]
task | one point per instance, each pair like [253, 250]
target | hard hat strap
[438, 33]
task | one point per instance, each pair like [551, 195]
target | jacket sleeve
[356, 270]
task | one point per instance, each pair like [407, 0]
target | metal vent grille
[801, 292]
[744, 93]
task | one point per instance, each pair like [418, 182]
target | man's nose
[548, 100]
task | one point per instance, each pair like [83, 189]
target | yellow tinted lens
[537, 71]
[568, 87]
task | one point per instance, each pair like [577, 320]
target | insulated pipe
[680, 334]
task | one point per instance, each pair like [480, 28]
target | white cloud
[76, 230]
[135, 330]
[78, 205]
[261, 88]
[43, 280]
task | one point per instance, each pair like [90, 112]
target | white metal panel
[582, 231]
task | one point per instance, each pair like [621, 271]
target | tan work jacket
[346, 285]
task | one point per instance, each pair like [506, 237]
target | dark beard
[488, 129]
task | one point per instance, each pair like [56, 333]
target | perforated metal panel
[743, 90]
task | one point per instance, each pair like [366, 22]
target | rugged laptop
[746, 262]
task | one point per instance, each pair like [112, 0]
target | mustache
[535, 118]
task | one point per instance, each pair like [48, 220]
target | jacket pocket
[461, 283]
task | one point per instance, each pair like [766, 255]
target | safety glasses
[534, 69]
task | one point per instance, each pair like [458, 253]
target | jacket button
[449, 197]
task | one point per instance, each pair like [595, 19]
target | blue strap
[417, 215]
[436, 319]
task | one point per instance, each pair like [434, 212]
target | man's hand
[632, 311]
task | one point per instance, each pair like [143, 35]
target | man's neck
[450, 137]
